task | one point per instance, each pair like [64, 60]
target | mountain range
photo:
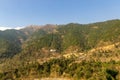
[98, 41]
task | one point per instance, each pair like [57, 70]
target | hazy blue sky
[16, 13]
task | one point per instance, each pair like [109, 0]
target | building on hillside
[53, 50]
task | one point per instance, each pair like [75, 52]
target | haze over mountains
[61, 51]
[5, 28]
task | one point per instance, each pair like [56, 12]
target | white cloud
[18, 28]
[5, 28]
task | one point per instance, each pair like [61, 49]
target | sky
[21, 13]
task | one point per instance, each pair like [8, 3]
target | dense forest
[74, 51]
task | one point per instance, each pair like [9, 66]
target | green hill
[74, 51]
[85, 37]
[10, 42]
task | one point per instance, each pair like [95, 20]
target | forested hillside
[10, 43]
[74, 51]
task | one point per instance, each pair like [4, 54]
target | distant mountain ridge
[62, 37]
